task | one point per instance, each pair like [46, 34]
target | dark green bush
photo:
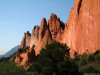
[97, 52]
[67, 67]
[83, 61]
[90, 69]
[22, 50]
[91, 58]
[35, 67]
[97, 58]
[48, 70]
[77, 57]
[7, 68]
[54, 60]
[33, 46]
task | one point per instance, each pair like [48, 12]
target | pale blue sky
[19, 16]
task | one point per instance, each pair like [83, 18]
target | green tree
[91, 58]
[83, 60]
[97, 58]
[67, 67]
[97, 52]
[55, 60]
[77, 57]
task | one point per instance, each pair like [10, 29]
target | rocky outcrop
[30, 39]
[56, 27]
[18, 58]
[34, 36]
[25, 59]
[82, 31]
[44, 36]
[26, 40]
[46, 33]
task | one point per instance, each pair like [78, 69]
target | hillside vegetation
[55, 60]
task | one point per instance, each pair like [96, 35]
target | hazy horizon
[19, 16]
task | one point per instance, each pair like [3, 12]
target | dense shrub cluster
[88, 63]
[54, 60]
[23, 50]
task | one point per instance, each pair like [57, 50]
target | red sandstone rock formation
[82, 31]
[56, 28]
[34, 36]
[40, 36]
[26, 59]
[30, 39]
[26, 40]
[44, 36]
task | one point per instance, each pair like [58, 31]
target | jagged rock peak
[36, 26]
[27, 33]
[43, 28]
[43, 23]
[44, 36]
[56, 27]
[35, 36]
[54, 17]
[26, 40]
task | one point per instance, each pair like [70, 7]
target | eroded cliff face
[34, 36]
[26, 40]
[56, 28]
[82, 31]
[30, 39]
[44, 36]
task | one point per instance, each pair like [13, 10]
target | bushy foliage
[33, 46]
[91, 68]
[77, 57]
[96, 53]
[54, 60]
[88, 63]
[83, 60]
[91, 58]
[23, 50]
[4, 59]
[67, 67]
[7, 68]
